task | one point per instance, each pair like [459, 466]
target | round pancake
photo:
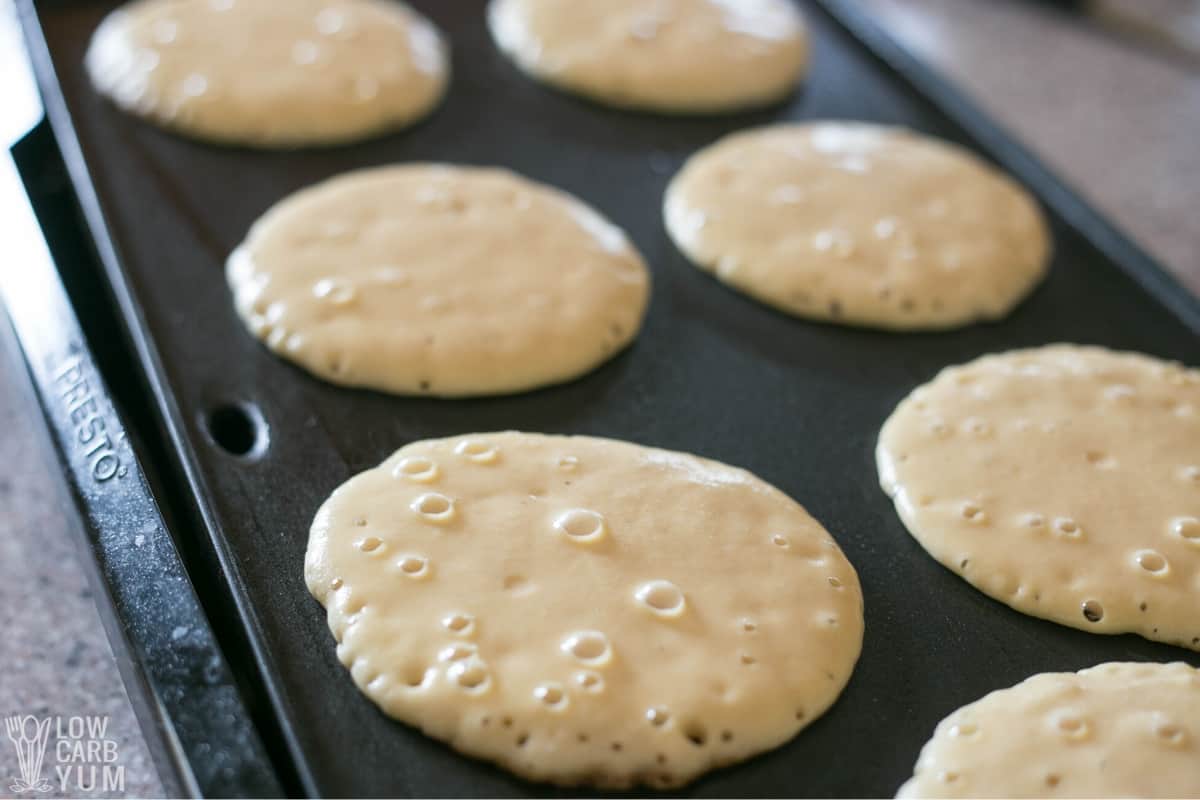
[584, 611]
[1115, 730]
[1063, 481]
[267, 74]
[677, 56]
[432, 279]
[858, 224]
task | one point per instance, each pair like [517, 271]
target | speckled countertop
[1118, 121]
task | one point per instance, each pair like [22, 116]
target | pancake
[439, 280]
[1115, 730]
[584, 611]
[1061, 480]
[674, 56]
[267, 74]
[859, 224]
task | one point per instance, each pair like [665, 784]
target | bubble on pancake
[434, 507]
[581, 525]
[662, 598]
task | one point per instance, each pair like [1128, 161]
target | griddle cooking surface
[713, 373]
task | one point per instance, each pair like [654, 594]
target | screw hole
[239, 429]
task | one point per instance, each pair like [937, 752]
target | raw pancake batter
[1063, 481]
[585, 611]
[859, 224]
[432, 279]
[678, 56]
[1116, 730]
[270, 74]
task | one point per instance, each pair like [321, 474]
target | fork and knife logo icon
[30, 736]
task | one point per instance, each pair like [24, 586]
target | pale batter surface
[585, 611]
[1063, 481]
[679, 56]
[270, 74]
[432, 279]
[1115, 730]
[859, 224]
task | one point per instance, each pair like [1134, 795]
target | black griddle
[241, 447]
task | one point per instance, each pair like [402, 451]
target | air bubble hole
[459, 623]
[434, 507]
[551, 695]
[414, 566]
[470, 674]
[414, 675]
[1073, 727]
[1171, 734]
[663, 598]
[589, 681]
[332, 291]
[419, 469]
[518, 584]
[478, 451]
[590, 647]
[1092, 610]
[696, 733]
[658, 716]
[581, 525]
[1151, 561]
[1187, 528]
[457, 651]
[1067, 527]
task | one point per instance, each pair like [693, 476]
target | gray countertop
[1118, 121]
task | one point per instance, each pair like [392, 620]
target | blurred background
[1107, 92]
